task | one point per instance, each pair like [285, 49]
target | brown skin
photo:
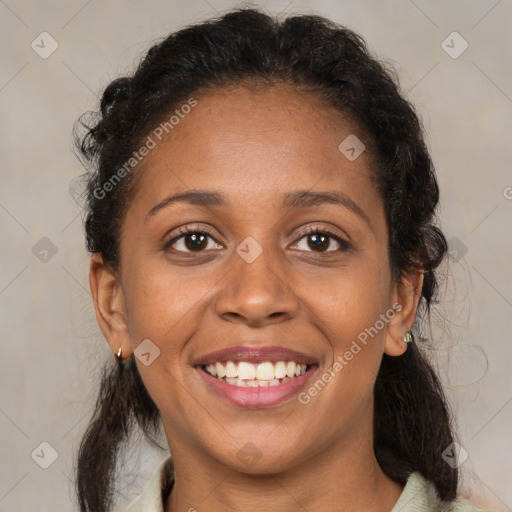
[254, 146]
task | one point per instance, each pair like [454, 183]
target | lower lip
[259, 397]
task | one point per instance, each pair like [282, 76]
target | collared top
[419, 495]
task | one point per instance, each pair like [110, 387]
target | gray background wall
[52, 349]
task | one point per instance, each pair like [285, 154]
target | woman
[261, 222]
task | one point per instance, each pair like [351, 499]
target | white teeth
[221, 371]
[290, 369]
[263, 374]
[246, 371]
[255, 383]
[280, 370]
[265, 371]
[231, 369]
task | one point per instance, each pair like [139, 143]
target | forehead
[269, 123]
[257, 142]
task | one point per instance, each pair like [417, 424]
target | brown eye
[191, 241]
[320, 241]
[195, 241]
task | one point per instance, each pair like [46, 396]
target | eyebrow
[306, 198]
[296, 199]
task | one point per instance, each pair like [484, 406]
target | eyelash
[186, 230]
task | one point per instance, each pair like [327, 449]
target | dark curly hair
[412, 420]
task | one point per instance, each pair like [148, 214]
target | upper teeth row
[262, 371]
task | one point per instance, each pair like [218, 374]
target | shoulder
[419, 495]
[151, 498]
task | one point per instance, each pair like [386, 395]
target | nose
[256, 293]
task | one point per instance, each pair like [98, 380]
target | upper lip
[255, 355]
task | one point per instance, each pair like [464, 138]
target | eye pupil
[319, 241]
[198, 241]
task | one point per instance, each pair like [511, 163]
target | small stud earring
[119, 358]
[407, 337]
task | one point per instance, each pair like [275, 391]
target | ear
[406, 292]
[109, 306]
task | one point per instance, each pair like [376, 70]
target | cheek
[353, 300]
[160, 304]
[166, 308]
[353, 315]
[163, 310]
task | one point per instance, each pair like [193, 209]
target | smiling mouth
[264, 374]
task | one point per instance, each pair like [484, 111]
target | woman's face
[259, 284]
